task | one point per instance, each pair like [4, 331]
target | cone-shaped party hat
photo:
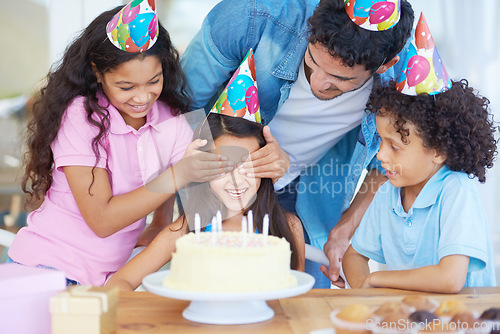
[135, 27]
[375, 15]
[240, 98]
[423, 69]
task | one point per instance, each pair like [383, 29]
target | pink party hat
[375, 15]
[423, 69]
[135, 27]
[240, 98]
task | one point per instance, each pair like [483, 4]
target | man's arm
[338, 239]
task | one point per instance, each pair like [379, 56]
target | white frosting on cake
[232, 262]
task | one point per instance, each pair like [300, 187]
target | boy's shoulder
[461, 179]
[456, 183]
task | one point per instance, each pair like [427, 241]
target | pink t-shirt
[56, 235]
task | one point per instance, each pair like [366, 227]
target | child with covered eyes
[233, 194]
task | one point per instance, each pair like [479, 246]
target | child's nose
[240, 178]
[142, 96]
[381, 154]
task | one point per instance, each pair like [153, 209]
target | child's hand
[199, 166]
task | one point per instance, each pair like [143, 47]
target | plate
[154, 283]
[227, 308]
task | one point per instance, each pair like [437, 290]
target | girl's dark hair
[456, 123]
[333, 28]
[202, 201]
[74, 77]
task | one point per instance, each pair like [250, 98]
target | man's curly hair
[333, 28]
[456, 123]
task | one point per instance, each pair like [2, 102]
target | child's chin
[396, 183]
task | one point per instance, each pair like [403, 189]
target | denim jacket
[277, 31]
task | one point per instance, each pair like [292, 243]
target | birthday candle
[244, 230]
[250, 221]
[214, 230]
[265, 227]
[219, 221]
[197, 226]
[215, 225]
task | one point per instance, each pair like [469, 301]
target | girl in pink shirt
[107, 122]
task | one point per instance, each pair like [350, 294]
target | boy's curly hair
[456, 123]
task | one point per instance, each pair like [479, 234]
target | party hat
[423, 69]
[240, 98]
[135, 27]
[375, 15]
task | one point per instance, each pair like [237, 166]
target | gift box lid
[85, 300]
[18, 280]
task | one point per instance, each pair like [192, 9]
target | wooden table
[143, 312]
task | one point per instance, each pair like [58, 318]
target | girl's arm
[162, 217]
[298, 233]
[355, 267]
[155, 256]
[448, 276]
[106, 214]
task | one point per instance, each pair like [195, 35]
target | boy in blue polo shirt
[427, 223]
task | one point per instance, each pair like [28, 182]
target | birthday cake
[230, 262]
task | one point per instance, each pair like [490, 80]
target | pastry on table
[492, 314]
[450, 307]
[353, 319]
[392, 308]
[420, 303]
[423, 317]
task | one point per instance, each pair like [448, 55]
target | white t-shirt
[306, 127]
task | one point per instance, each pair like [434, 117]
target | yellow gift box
[84, 310]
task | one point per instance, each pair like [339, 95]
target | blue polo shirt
[447, 218]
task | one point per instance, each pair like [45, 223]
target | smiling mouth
[236, 193]
[390, 173]
[141, 107]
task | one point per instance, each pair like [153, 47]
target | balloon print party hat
[423, 69]
[240, 98]
[135, 27]
[375, 15]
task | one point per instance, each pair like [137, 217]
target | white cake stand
[227, 308]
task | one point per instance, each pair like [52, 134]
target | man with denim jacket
[315, 69]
